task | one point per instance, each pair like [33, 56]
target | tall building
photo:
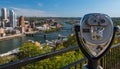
[4, 13]
[12, 17]
[21, 23]
[4, 16]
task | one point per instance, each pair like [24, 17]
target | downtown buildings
[11, 24]
[4, 16]
[8, 22]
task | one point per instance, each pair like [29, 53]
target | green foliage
[61, 60]
[71, 41]
[59, 47]
[36, 18]
[116, 21]
[29, 49]
[46, 48]
[7, 59]
[51, 30]
[56, 62]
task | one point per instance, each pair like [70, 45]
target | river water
[8, 45]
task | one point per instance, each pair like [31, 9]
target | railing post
[92, 64]
[101, 62]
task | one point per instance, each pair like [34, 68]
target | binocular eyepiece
[96, 34]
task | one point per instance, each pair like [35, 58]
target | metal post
[92, 64]
[44, 36]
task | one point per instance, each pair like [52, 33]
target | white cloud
[32, 12]
[40, 4]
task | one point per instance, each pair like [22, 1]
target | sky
[62, 8]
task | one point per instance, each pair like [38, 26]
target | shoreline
[11, 36]
[12, 52]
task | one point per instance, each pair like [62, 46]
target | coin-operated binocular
[94, 36]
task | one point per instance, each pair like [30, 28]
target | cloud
[40, 4]
[32, 12]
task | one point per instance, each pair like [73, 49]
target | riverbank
[12, 52]
[13, 43]
[11, 36]
[52, 30]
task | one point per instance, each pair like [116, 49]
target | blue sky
[62, 8]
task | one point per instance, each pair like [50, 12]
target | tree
[28, 50]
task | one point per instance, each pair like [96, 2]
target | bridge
[30, 33]
[110, 61]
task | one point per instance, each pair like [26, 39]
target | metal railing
[109, 61]
[23, 62]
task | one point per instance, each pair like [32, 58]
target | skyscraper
[21, 23]
[4, 17]
[13, 22]
[4, 13]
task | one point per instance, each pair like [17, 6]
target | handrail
[84, 59]
[74, 63]
[29, 60]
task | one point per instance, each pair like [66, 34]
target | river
[8, 45]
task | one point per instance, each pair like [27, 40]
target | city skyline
[62, 8]
[8, 20]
